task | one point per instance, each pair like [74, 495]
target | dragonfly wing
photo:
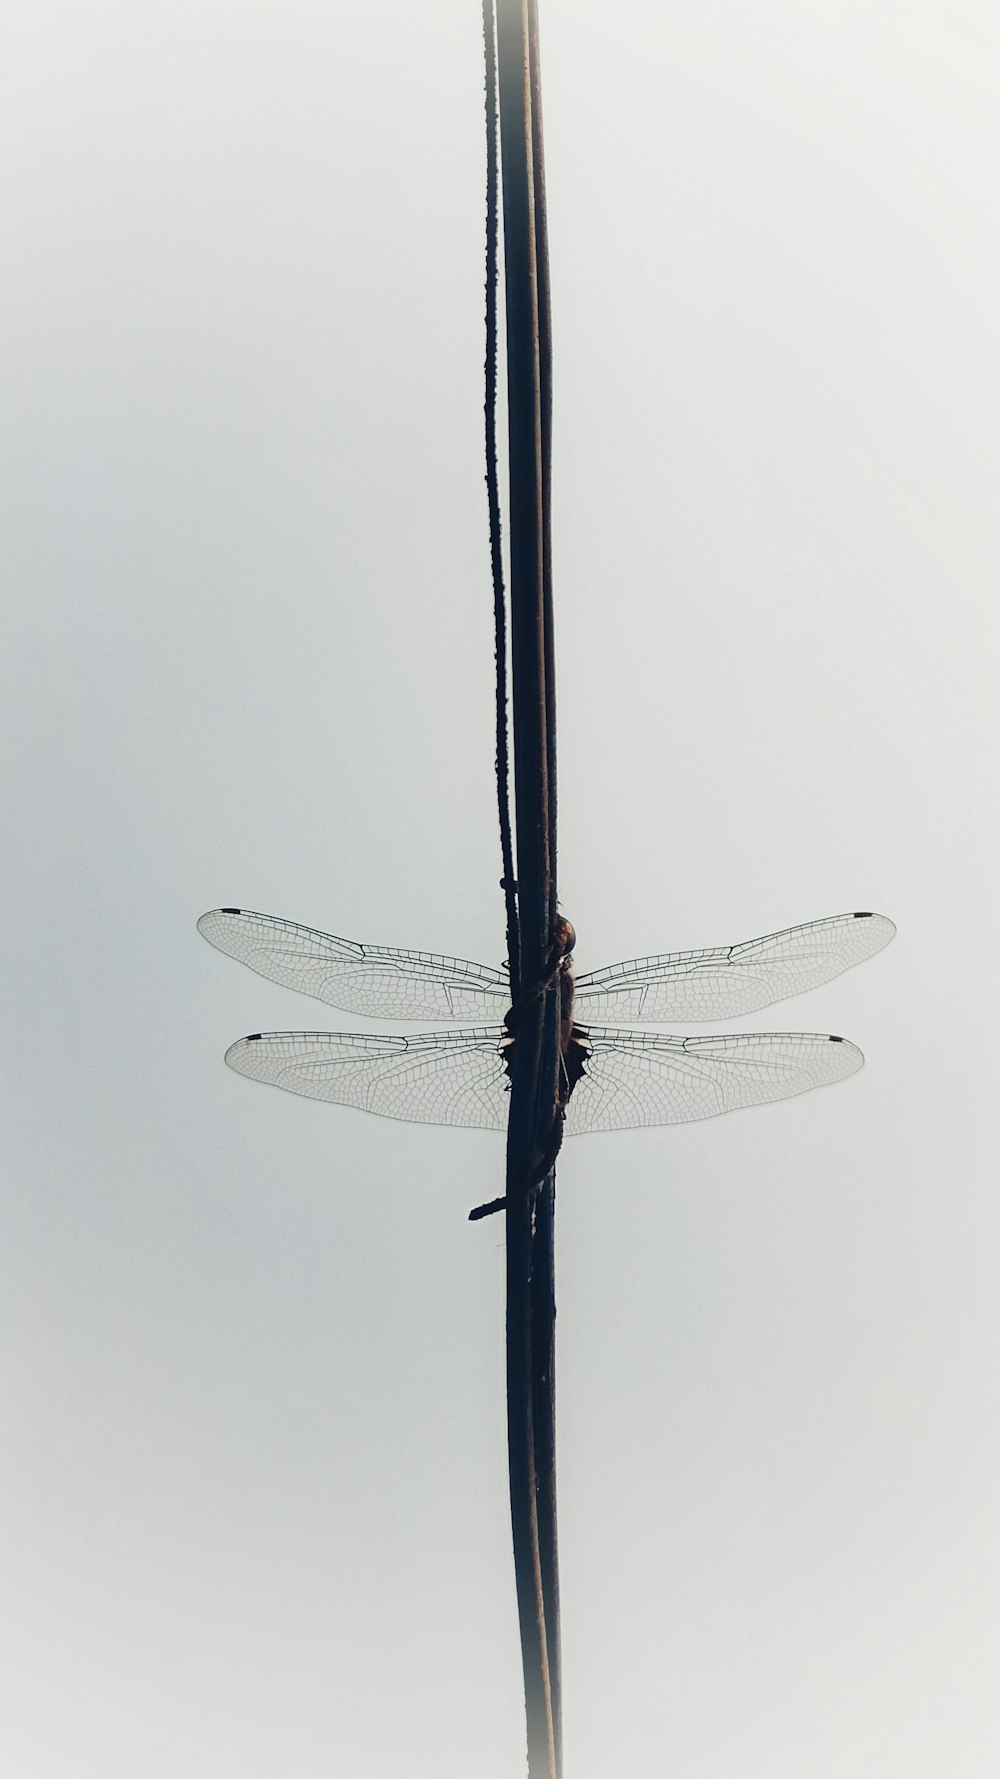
[435, 1078]
[731, 979]
[371, 979]
[636, 1079]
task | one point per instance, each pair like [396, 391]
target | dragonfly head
[563, 936]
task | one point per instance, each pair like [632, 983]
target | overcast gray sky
[254, 1449]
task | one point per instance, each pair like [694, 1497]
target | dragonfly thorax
[574, 1044]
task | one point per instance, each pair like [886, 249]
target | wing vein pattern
[455, 1078]
[376, 980]
[633, 1079]
[727, 980]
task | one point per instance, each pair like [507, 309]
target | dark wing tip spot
[230, 911]
[834, 1040]
[867, 915]
[254, 1038]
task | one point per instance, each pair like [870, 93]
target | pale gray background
[255, 1495]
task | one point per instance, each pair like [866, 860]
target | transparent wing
[370, 979]
[434, 1078]
[636, 1079]
[731, 979]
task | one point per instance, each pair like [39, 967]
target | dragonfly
[614, 1077]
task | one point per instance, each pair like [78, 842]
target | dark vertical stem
[543, 1271]
[493, 502]
[545, 406]
[536, 1054]
[526, 502]
[543, 1330]
[523, 1507]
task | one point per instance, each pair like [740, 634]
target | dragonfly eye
[564, 936]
